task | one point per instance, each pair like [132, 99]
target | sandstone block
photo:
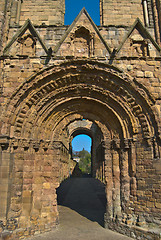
[158, 205]
[149, 74]
[140, 74]
[46, 185]
[150, 204]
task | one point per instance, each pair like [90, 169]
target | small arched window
[72, 9]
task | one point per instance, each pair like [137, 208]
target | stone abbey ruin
[59, 81]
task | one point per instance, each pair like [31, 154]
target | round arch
[40, 124]
[81, 130]
[93, 130]
[104, 83]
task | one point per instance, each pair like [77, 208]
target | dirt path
[81, 213]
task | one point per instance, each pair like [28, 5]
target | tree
[85, 161]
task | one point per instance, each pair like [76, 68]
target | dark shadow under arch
[84, 195]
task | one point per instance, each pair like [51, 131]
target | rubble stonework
[58, 82]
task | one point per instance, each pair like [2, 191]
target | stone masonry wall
[121, 12]
[35, 171]
[40, 12]
[15, 70]
[52, 76]
[2, 11]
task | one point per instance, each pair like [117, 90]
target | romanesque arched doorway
[42, 116]
[88, 127]
[84, 190]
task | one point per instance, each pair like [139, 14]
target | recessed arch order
[76, 86]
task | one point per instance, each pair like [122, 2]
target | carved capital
[148, 141]
[57, 145]
[15, 143]
[92, 35]
[126, 143]
[116, 143]
[45, 145]
[36, 145]
[4, 141]
[25, 143]
[106, 145]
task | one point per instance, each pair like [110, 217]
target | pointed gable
[25, 42]
[138, 42]
[82, 39]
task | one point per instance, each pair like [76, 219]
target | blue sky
[73, 8]
[80, 142]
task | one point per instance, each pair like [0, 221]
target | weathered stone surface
[58, 83]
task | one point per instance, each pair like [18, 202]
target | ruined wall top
[115, 10]
[51, 12]
[40, 12]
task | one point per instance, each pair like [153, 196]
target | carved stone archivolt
[120, 100]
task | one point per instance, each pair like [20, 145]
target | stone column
[98, 161]
[5, 168]
[116, 182]
[16, 207]
[6, 188]
[125, 179]
[94, 159]
[108, 181]
[27, 189]
[133, 168]
[100, 155]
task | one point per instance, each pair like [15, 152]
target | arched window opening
[81, 153]
[72, 9]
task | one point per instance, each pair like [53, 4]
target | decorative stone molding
[57, 145]
[45, 145]
[116, 143]
[126, 143]
[25, 143]
[4, 142]
[36, 145]
[111, 94]
[15, 143]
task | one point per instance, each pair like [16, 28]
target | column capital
[56, 145]
[4, 141]
[126, 143]
[116, 143]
